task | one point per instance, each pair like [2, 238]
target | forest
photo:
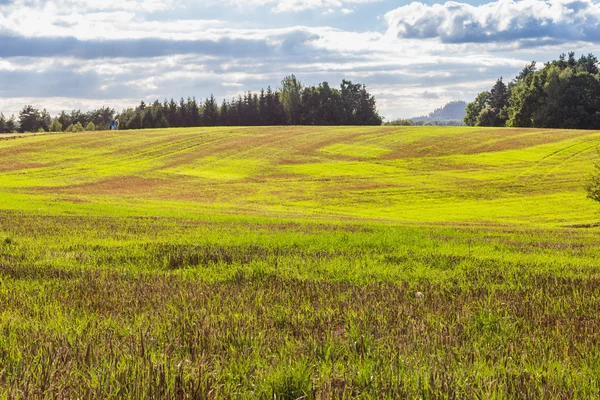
[565, 93]
[291, 104]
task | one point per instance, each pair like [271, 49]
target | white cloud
[499, 21]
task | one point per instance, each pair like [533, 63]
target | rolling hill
[297, 262]
[398, 174]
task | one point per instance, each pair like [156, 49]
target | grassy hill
[299, 262]
[403, 174]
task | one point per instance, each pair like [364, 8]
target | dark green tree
[33, 120]
[475, 108]
[211, 111]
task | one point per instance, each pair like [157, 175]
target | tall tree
[211, 111]
[351, 98]
[2, 124]
[498, 96]
[290, 96]
[262, 108]
[525, 97]
[224, 115]
[33, 120]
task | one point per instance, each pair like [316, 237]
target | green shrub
[55, 126]
[593, 185]
[75, 128]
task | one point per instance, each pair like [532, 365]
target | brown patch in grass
[119, 185]
[74, 200]
[591, 225]
[15, 166]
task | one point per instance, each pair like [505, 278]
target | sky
[413, 56]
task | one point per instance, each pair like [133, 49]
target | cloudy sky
[414, 57]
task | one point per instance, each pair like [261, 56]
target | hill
[297, 262]
[410, 174]
[453, 112]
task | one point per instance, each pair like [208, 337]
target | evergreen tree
[11, 124]
[262, 108]
[279, 115]
[147, 119]
[33, 120]
[224, 116]
[2, 124]
[193, 113]
[182, 115]
[211, 111]
[498, 96]
[269, 113]
[173, 114]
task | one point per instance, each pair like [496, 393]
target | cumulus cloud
[499, 21]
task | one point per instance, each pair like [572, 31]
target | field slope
[299, 262]
[522, 176]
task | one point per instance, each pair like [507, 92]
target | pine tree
[211, 111]
[2, 124]
[262, 108]
[224, 114]
[173, 114]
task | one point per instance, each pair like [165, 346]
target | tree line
[565, 93]
[291, 104]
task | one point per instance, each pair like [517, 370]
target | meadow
[285, 262]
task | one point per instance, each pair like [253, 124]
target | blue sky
[413, 56]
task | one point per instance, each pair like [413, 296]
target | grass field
[284, 263]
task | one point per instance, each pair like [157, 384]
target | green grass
[431, 175]
[284, 263]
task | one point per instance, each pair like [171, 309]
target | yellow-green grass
[285, 263]
[521, 176]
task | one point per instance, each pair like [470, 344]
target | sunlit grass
[398, 174]
[315, 262]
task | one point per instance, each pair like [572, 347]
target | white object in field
[420, 296]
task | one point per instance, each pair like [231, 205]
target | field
[285, 263]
